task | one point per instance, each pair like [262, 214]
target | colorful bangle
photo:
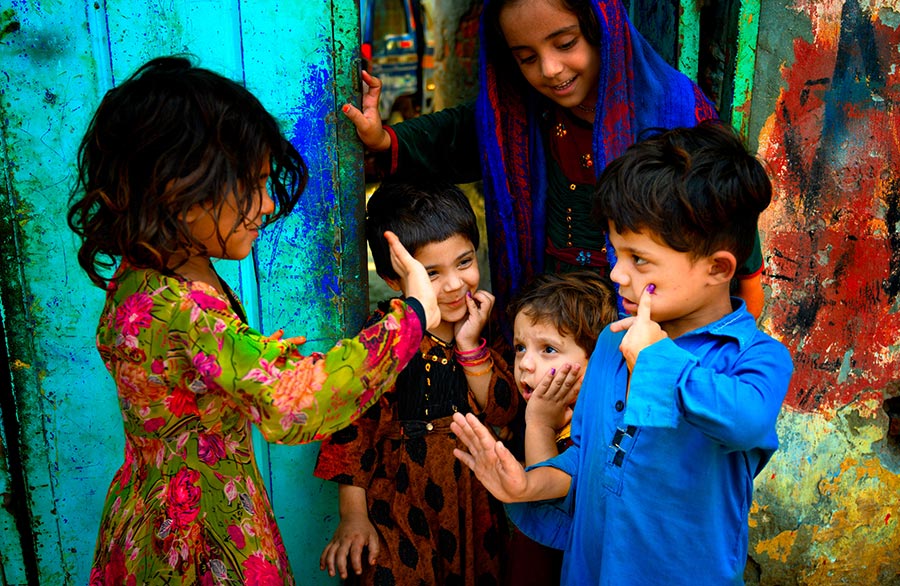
[470, 363]
[489, 368]
[473, 356]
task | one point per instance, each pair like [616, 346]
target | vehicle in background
[397, 49]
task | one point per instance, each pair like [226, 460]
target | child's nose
[526, 362]
[268, 204]
[617, 275]
[551, 67]
[454, 282]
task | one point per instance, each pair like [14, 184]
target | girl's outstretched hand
[279, 335]
[368, 121]
[414, 280]
[493, 464]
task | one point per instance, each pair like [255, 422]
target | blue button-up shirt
[662, 481]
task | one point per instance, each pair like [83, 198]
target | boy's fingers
[622, 325]
[643, 312]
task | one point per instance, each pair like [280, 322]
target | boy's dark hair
[579, 304]
[697, 190]
[419, 214]
[497, 49]
[171, 136]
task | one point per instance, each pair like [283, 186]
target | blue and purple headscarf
[637, 91]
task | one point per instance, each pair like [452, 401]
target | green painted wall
[62, 435]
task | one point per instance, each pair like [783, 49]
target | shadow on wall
[378, 289]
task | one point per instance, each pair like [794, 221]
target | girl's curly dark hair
[170, 137]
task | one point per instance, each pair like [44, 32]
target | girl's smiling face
[552, 53]
[539, 347]
[210, 228]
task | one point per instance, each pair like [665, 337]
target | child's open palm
[493, 464]
[642, 331]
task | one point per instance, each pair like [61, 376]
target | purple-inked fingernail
[552, 371]
[469, 294]
[651, 288]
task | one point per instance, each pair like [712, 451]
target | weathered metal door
[60, 430]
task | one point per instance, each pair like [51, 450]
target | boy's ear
[392, 283]
[722, 266]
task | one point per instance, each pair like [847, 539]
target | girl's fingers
[370, 80]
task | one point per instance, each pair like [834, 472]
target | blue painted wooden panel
[57, 58]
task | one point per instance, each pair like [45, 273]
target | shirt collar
[738, 325]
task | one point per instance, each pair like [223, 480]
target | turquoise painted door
[61, 431]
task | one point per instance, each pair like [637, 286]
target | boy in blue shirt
[679, 402]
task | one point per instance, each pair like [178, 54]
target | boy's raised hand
[493, 464]
[642, 331]
[368, 121]
[414, 280]
[467, 332]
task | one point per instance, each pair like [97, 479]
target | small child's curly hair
[172, 136]
[579, 304]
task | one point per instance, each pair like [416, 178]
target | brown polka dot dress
[436, 522]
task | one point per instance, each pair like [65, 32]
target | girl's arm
[294, 398]
[354, 534]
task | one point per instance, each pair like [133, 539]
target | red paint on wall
[832, 234]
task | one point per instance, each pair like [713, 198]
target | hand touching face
[539, 348]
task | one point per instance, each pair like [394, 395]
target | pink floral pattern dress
[189, 506]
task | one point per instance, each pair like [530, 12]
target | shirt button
[573, 187]
[619, 406]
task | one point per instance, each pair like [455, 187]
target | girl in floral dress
[174, 170]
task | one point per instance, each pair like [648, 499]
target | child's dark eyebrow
[550, 37]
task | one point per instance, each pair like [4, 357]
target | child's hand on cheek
[467, 331]
[642, 330]
[551, 403]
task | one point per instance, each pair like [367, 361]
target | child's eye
[568, 44]
[466, 262]
[519, 348]
[639, 260]
[550, 350]
[526, 60]
[432, 275]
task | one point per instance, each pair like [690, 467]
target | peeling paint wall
[826, 116]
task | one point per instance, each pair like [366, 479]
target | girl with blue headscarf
[565, 87]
